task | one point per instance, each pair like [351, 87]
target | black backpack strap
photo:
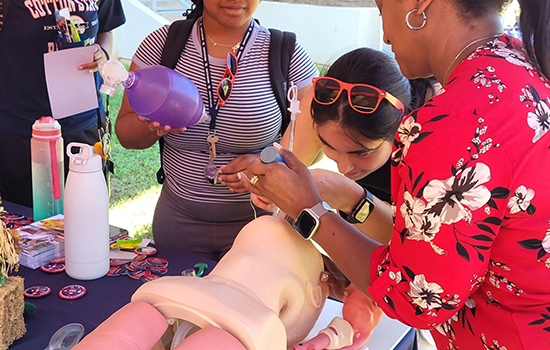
[281, 49]
[178, 33]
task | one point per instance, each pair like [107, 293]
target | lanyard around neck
[213, 106]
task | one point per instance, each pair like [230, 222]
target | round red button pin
[37, 291]
[73, 291]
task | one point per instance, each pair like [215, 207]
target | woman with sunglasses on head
[356, 109]
[226, 56]
[469, 254]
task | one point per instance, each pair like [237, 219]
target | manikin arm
[126, 329]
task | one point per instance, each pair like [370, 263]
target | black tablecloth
[104, 296]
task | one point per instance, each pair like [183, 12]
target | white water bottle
[86, 215]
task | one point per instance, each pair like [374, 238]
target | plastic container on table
[48, 172]
[157, 93]
[86, 215]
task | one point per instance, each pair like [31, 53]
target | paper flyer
[71, 91]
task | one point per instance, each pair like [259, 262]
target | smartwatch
[307, 222]
[361, 211]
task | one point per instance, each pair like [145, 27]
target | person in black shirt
[28, 30]
[358, 137]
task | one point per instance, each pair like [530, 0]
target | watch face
[305, 224]
[364, 212]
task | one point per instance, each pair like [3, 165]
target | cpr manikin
[266, 293]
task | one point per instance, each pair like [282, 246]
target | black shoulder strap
[178, 33]
[281, 49]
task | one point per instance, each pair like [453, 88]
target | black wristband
[362, 211]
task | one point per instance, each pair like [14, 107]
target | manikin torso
[266, 291]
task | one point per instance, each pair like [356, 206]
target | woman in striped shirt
[194, 215]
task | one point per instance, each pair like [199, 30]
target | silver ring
[410, 25]
[254, 179]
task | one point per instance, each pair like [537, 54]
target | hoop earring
[411, 27]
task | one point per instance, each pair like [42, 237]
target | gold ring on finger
[254, 179]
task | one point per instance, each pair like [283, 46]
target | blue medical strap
[213, 106]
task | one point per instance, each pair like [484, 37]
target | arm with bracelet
[355, 204]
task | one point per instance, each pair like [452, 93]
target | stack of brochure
[41, 242]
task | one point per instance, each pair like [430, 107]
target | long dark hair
[420, 89]
[533, 22]
[376, 68]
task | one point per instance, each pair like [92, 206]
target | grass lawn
[134, 187]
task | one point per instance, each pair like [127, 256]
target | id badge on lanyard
[211, 170]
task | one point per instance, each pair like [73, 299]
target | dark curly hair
[195, 11]
[477, 8]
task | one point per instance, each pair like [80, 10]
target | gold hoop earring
[411, 27]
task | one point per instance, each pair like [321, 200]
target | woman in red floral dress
[470, 251]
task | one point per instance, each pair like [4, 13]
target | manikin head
[282, 269]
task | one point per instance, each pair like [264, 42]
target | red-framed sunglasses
[362, 98]
[226, 84]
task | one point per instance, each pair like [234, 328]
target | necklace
[462, 51]
[233, 47]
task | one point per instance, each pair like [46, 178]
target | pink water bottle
[157, 93]
[48, 172]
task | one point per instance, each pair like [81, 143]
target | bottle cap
[139, 264]
[271, 155]
[85, 161]
[46, 128]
